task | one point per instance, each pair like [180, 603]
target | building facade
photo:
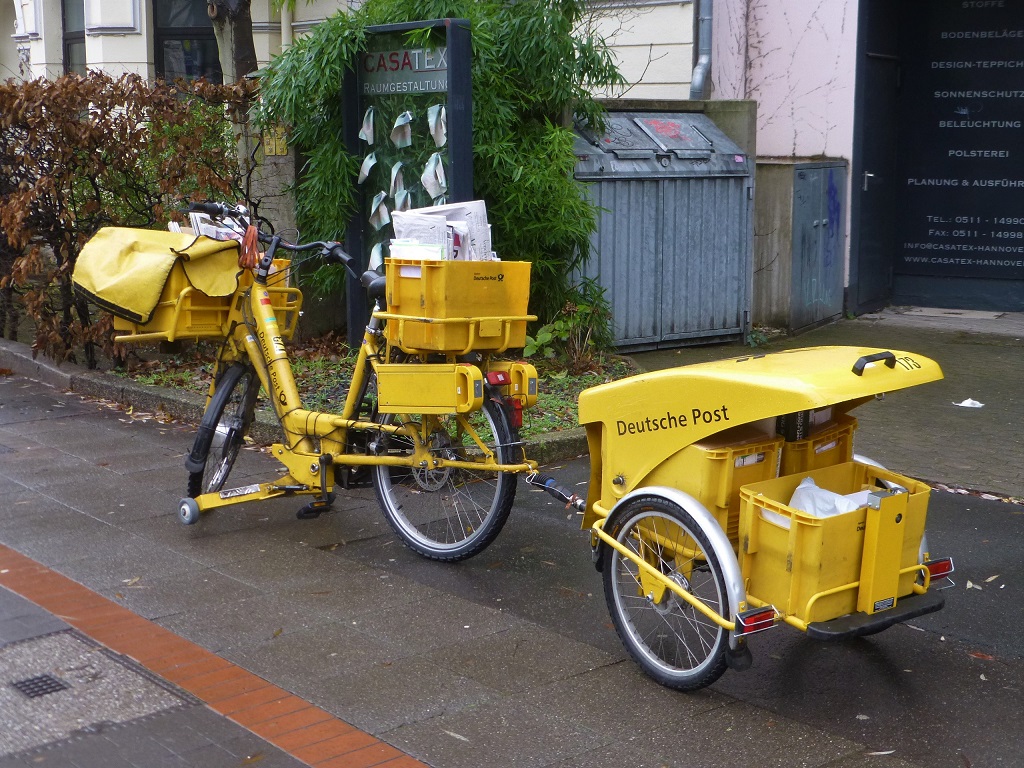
[915, 101]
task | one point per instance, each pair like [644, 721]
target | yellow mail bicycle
[698, 526]
[437, 436]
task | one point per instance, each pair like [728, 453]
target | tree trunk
[232, 26]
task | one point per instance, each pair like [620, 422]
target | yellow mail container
[713, 470]
[457, 306]
[832, 444]
[436, 388]
[821, 568]
[185, 312]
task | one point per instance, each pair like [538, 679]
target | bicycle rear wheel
[450, 514]
[223, 428]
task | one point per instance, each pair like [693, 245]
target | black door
[874, 184]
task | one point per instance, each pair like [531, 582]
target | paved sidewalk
[204, 632]
[105, 687]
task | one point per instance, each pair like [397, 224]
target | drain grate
[34, 687]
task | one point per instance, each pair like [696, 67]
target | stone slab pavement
[424, 660]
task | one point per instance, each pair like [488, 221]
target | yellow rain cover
[124, 270]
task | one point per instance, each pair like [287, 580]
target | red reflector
[498, 378]
[517, 414]
[755, 620]
[940, 569]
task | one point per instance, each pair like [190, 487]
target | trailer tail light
[756, 620]
[940, 569]
[498, 378]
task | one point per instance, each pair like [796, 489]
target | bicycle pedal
[314, 509]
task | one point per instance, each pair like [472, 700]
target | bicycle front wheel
[450, 514]
[223, 428]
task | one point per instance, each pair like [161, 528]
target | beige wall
[653, 46]
[8, 48]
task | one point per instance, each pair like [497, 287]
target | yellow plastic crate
[184, 312]
[811, 568]
[457, 306]
[832, 444]
[713, 471]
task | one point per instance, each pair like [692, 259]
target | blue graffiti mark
[832, 238]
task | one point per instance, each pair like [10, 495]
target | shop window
[184, 43]
[73, 12]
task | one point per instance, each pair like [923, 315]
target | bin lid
[658, 144]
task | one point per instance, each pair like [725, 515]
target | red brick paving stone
[313, 734]
[202, 665]
[293, 722]
[126, 637]
[96, 616]
[252, 716]
[249, 699]
[363, 758]
[339, 745]
[163, 645]
[215, 694]
[221, 674]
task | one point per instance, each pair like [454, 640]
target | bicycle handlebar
[217, 210]
[331, 251]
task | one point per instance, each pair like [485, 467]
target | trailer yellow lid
[660, 412]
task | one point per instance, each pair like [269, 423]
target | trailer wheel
[672, 641]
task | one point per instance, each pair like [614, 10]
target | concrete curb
[188, 407]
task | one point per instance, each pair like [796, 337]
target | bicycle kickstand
[323, 502]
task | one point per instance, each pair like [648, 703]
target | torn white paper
[379, 216]
[433, 178]
[364, 170]
[401, 134]
[397, 180]
[403, 201]
[969, 403]
[376, 257]
[437, 123]
[366, 132]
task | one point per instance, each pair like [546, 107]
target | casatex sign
[404, 70]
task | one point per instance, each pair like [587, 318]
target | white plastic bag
[819, 502]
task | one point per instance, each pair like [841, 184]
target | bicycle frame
[315, 440]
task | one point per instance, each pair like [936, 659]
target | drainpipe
[286, 26]
[700, 71]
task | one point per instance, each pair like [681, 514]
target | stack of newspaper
[456, 231]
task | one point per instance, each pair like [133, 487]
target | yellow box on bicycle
[819, 568]
[185, 312]
[163, 286]
[457, 306]
[435, 388]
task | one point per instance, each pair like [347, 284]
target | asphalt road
[945, 690]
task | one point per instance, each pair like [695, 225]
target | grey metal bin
[673, 245]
